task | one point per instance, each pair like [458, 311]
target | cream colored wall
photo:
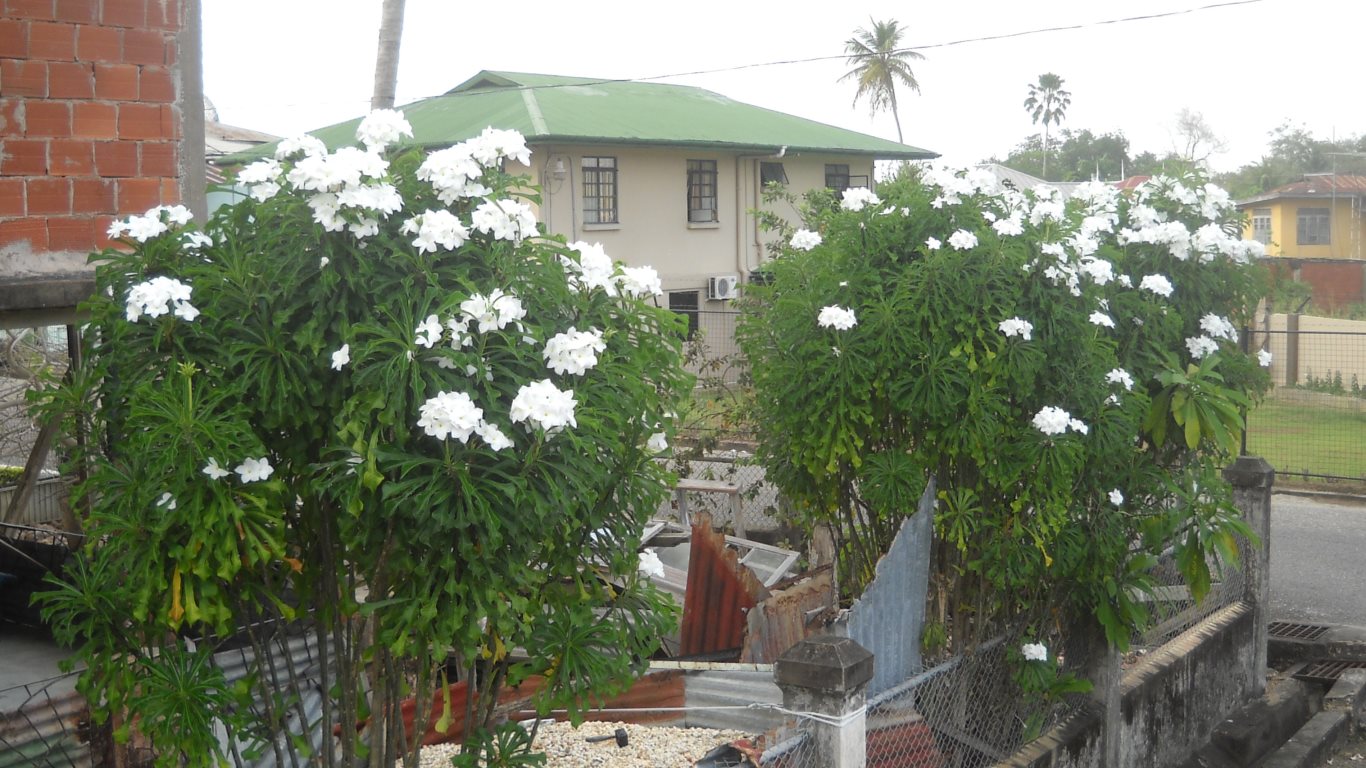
[1348, 229]
[1333, 346]
[653, 227]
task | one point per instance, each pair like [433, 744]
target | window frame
[703, 188]
[689, 308]
[772, 172]
[1261, 225]
[833, 176]
[596, 177]
[1317, 218]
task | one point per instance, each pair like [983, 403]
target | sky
[288, 66]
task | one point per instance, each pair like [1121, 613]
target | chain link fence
[44, 724]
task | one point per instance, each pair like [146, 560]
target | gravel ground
[648, 747]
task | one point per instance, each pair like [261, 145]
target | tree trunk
[386, 57]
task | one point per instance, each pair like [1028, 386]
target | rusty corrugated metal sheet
[783, 620]
[46, 732]
[720, 592]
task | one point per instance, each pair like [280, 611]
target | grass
[1300, 435]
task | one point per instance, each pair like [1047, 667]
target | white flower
[214, 471]
[504, 220]
[1009, 227]
[305, 144]
[1264, 358]
[263, 191]
[963, 240]
[1034, 651]
[1101, 319]
[856, 198]
[805, 239]
[836, 317]
[1077, 425]
[1157, 284]
[640, 281]
[1201, 346]
[251, 470]
[260, 171]
[1120, 376]
[573, 352]
[1116, 497]
[932, 243]
[428, 332]
[435, 229]
[167, 501]
[453, 173]
[1055, 421]
[650, 564]
[1015, 326]
[1217, 327]
[450, 414]
[494, 311]
[658, 443]
[544, 406]
[323, 262]
[594, 269]
[157, 297]
[341, 357]
[493, 436]
[1099, 270]
[383, 127]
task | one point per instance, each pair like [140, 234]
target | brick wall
[90, 122]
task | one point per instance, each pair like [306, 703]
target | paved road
[1318, 561]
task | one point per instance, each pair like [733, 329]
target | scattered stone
[647, 747]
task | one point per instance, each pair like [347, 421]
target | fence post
[1292, 349]
[1252, 479]
[827, 676]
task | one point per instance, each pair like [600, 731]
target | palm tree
[386, 57]
[1047, 103]
[879, 65]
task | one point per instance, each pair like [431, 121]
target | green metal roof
[564, 110]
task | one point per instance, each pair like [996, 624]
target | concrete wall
[1171, 700]
[1322, 355]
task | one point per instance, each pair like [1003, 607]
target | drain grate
[1326, 671]
[1286, 630]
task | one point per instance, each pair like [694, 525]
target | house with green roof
[663, 175]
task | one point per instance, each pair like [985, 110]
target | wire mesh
[760, 505]
[1172, 609]
[1309, 426]
[44, 724]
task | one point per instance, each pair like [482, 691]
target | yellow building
[1315, 231]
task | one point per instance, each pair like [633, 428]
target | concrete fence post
[1252, 479]
[827, 676]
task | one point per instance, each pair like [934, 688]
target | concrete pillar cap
[824, 663]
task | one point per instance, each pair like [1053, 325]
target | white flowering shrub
[372, 398]
[1066, 368]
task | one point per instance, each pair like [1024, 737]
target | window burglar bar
[600, 190]
[701, 191]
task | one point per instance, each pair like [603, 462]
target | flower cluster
[158, 296]
[436, 229]
[544, 406]
[805, 239]
[574, 351]
[155, 222]
[858, 198]
[1015, 326]
[836, 317]
[1055, 421]
[457, 172]
[1034, 652]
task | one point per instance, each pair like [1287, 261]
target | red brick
[102, 44]
[71, 234]
[116, 82]
[11, 117]
[67, 157]
[93, 120]
[124, 13]
[159, 158]
[47, 118]
[30, 229]
[170, 191]
[76, 10]
[48, 40]
[102, 240]
[23, 78]
[144, 46]
[170, 121]
[92, 196]
[70, 80]
[48, 196]
[31, 9]
[140, 121]
[155, 84]
[23, 157]
[165, 15]
[13, 39]
[11, 197]
[137, 195]
[114, 159]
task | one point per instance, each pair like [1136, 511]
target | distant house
[1316, 230]
[664, 175]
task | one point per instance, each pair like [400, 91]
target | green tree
[1079, 155]
[371, 402]
[880, 64]
[1047, 103]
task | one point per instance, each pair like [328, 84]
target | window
[1311, 226]
[772, 173]
[1261, 225]
[599, 190]
[701, 191]
[837, 176]
[686, 303]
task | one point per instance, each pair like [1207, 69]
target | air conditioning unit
[723, 287]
